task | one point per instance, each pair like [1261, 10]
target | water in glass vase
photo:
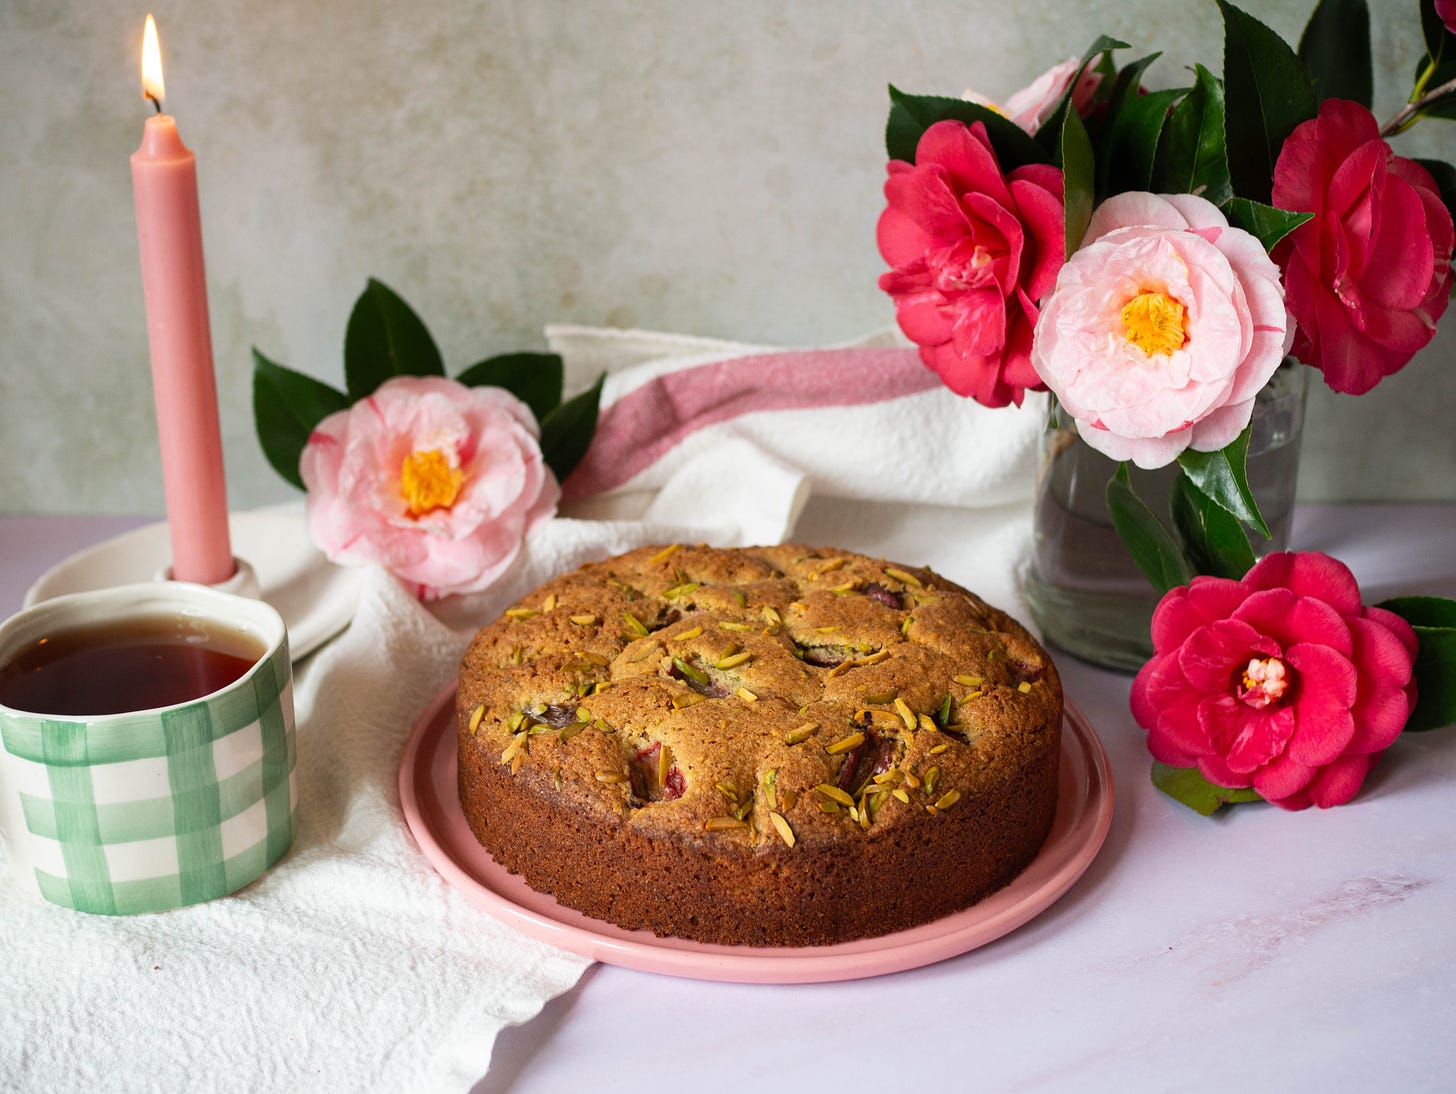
[1084, 590]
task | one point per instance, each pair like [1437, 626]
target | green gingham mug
[152, 809]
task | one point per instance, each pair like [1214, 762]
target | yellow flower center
[427, 481]
[1155, 323]
[1265, 681]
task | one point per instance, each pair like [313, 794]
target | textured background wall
[706, 168]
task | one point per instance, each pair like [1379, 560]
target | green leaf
[1435, 671]
[1049, 135]
[385, 338]
[534, 378]
[1192, 157]
[1445, 105]
[1440, 42]
[1445, 176]
[1335, 50]
[1266, 94]
[1106, 68]
[912, 115]
[1223, 476]
[1264, 222]
[1438, 67]
[566, 433]
[1212, 537]
[1187, 785]
[287, 405]
[1128, 84]
[1434, 620]
[1132, 146]
[1423, 611]
[1125, 88]
[1149, 543]
[1077, 169]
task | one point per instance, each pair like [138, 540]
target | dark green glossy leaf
[287, 405]
[1106, 68]
[1132, 145]
[912, 115]
[1192, 157]
[1049, 136]
[1445, 106]
[1423, 611]
[1266, 94]
[385, 338]
[1211, 536]
[1435, 69]
[1187, 785]
[1128, 82]
[1434, 620]
[1125, 87]
[534, 378]
[1077, 169]
[1264, 222]
[1435, 671]
[1335, 50]
[1223, 477]
[1149, 543]
[566, 433]
[1440, 42]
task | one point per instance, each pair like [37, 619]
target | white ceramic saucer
[315, 597]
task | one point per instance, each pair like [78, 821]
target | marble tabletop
[1314, 950]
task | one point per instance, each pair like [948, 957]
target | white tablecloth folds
[351, 965]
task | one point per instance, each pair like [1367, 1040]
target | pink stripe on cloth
[648, 422]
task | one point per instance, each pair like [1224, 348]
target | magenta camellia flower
[437, 482]
[1446, 12]
[1369, 276]
[1162, 328]
[973, 250]
[1281, 681]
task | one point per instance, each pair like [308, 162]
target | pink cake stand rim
[432, 811]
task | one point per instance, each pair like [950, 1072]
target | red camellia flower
[973, 252]
[1281, 681]
[1368, 277]
[1446, 12]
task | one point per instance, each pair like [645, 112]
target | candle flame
[152, 86]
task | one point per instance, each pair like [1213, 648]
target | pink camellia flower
[1032, 106]
[1369, 276]
[1162, 329]
[435, 481]
[973, 251]
[1281, 681]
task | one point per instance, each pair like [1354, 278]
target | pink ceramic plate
[432, 809]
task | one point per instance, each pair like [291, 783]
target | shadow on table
[516, 1046]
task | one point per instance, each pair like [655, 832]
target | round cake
[765, 746]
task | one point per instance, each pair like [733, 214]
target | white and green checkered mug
[152, 809]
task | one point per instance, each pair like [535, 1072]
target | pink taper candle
[169, 230]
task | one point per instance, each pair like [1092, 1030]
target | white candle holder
[244, 581]
[281, 565]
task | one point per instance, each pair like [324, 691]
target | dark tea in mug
[137, 664]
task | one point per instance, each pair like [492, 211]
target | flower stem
[1425, 78]
[1411, 111]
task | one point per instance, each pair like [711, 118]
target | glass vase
[1083, 588]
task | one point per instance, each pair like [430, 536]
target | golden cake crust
[767, 746]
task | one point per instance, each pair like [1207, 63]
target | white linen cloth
[351, 965]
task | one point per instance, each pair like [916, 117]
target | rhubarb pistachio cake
[773, 746]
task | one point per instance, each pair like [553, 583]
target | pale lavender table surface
[1291, 951]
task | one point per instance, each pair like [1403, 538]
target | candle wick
[154, 100]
